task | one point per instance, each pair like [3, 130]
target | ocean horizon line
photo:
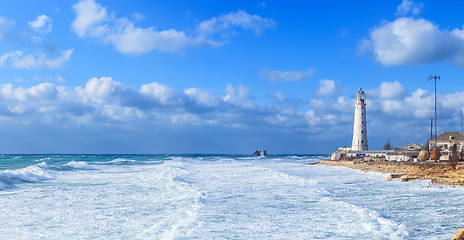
[209, 154]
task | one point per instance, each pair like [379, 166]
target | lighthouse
[360, 130]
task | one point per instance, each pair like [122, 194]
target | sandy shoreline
[441, 173]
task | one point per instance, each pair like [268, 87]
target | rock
[407, 178]
[460, 235]
[393, 176]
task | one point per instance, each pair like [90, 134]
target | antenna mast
[435, 77]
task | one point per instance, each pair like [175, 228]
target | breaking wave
[31, 174]
[122, 161]
[81, 165]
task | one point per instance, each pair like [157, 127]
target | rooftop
[445, 137]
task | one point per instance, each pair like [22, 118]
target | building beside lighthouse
[359, 129]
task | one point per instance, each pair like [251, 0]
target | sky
[101, 76]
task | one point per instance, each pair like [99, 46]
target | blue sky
[100, 76]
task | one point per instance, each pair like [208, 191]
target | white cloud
[409, 6]
[103, 103]
[88, 15]
[415, 41]
[392, 90]
[39, 52]
[42, 23]
[43, 91]
[227, 22]
[388, 90]
[240, 95]
[35, 60]
[328, 87]
[122, 114]
[392, 106]
[202, 97]
[103, 90]
[287, 76]
[162, 93]
[312, 118]
[4, 25]
[134, 40]
[92, 20]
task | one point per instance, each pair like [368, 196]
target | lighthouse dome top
[361, 95]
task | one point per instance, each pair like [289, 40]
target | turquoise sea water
[215, 197]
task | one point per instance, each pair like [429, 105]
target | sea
[214, 196]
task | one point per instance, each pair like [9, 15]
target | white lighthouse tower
[360, 129]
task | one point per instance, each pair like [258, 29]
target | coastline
[440, 173]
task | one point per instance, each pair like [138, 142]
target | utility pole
[461, 122]
[431, 129]
[435, 77]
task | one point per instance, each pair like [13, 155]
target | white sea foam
[81, 165]
[351, 221]
[123, 161]
[34, 173]
[130, 202]
[220, 198]
[272, 200]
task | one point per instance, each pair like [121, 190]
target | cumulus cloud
[415, 41]
[103, 102]
[328, 87]
[42, 23]
[388, 90]
[284, 76]
[312, 118]
[103, 90]
[92, 20]
[37, 52]
[409, 7]
[162, 93]
[88, 15]
[240, 95]
[392, 111]
[227, 22]
[43, 91]
[202, 97]
[35, 60]
[121, 114]
[104, 99]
